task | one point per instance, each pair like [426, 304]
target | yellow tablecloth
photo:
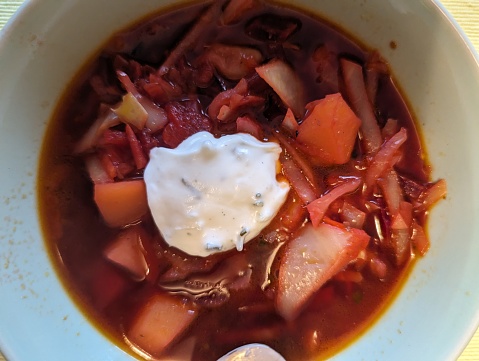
[466, 13]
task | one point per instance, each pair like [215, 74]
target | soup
[352, 187]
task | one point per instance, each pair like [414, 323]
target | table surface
[466, 13]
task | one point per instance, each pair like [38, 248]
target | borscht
[234, 172]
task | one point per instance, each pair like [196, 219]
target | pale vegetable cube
[127, 252]
[159, 322]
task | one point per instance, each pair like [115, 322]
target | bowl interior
[47, 42]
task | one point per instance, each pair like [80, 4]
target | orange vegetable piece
[329, 133]
[121, 203]
[159, 322]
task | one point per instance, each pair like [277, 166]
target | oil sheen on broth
[355, 185]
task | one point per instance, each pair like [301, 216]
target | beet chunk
[185, 119]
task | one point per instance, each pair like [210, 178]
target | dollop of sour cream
[212, 194]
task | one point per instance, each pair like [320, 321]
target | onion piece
[157, 118]
[378, 267]
[317, 209]
[131, 111]
[106, 120]
[286, 83]
[400, 240]
[96, 170]
[419, 238]
[352, 216]
[306, 192]
[312, 258]
[431, 195]
[290, 123]
[194, 33]
[299, 159]
[236, 9]
[392, 191]
[384, 159]
[358, 97]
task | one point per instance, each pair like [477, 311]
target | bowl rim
[28, 8]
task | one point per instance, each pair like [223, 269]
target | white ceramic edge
[27, 289]
[474, 325]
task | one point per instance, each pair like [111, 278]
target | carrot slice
[329, 133]
[121, 203]
[136, 149]
[159, 322]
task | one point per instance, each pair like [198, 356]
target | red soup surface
[336, 252]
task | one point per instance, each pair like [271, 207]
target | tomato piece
[121, 203]
[159, 322]
[329, 133]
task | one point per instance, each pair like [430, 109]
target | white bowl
[436, 312]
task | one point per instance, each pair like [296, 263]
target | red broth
[231, 314]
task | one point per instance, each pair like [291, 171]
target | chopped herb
[357, 296]
[263, 242]
[196, 192]
[213, 246]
